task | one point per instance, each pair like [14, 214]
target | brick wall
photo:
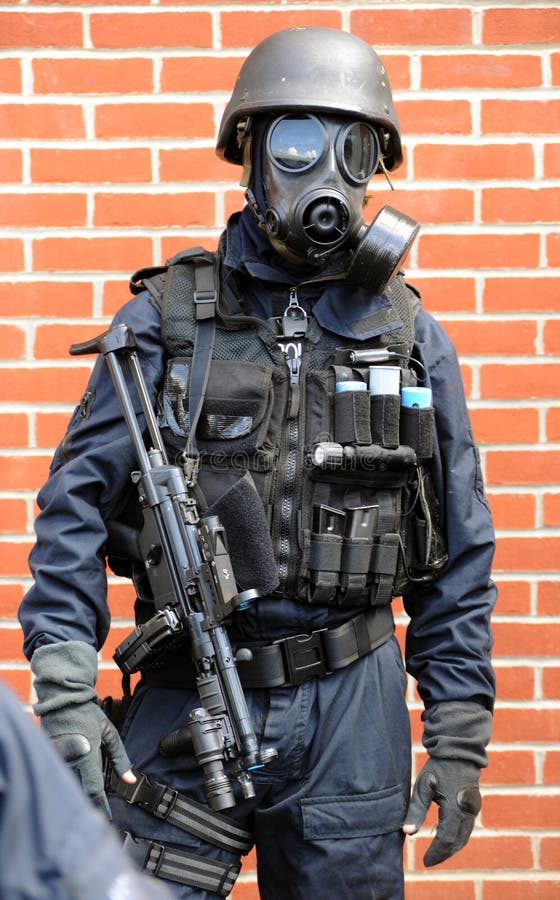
[107, 123]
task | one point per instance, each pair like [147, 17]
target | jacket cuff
[458, 730]
[65, 674]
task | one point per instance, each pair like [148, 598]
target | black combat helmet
[312, 69]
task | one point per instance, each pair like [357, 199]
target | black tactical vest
[343, 476]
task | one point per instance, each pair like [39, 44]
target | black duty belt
[295, 659]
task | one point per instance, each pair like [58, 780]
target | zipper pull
[294, 320]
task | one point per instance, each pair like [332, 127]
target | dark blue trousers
[328, 811]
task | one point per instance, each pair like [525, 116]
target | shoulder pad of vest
[152, 278]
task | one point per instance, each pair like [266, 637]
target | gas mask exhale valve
[315, 176]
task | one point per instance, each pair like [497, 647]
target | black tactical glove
[455, 735]
[65, 674]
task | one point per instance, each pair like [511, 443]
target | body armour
[343, 476]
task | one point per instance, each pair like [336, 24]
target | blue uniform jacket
[449, 637]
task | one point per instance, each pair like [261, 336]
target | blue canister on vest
[350, 386]
[419, 397]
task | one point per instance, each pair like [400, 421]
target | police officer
[368, 490]
[53, 844]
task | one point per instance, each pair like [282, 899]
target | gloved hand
[453, 785]
[455, 735]
[65, 674]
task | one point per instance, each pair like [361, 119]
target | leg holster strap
[292, 660]
[184, 868]
[171, 806]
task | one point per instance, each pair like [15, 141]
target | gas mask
[315, 172]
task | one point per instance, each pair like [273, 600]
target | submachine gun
[189, 570]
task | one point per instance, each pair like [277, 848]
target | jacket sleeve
[89, 473]
[449, 637]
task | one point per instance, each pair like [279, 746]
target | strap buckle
[143, 792]
[146, 854]
[304, 656]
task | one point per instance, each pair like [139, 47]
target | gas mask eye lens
[358, 152]
[296, 143]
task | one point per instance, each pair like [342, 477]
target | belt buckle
[304, 656]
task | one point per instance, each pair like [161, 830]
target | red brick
[513, 510]
[533, 554]
[245, 890]
[551, 166]
[14, 428]
[398, 69]
[11, 165]
[196, 164]
[509, 25]
[11, 255]
[551, 509]
[426, 207]
[10, 599]
[10, 76]
[474, 161]
[551, 771]
[493, 338]
[553, 249]
[154, 210]
[413, 26]
[13, 515]
[76, 254]
[536, 889]
[520, 116]
[46, 121]
[30, 210]
[45, 384]
[514, 598]
[245, 29]
[551, 682]
[233, 200]
[495, 425]
[19, 681]
[521, 811]
[91, 166]
[154, 120]
[555, 67]
[115, 294]
[551, 336]
[479, 70]
[11, 639]
[28, 29]
[527, 639]
[548, 598]
[520, 205]
[50, 428]
[152, 29]
[509, 767]
[435, 116]
[515, 682]
[200, 73]
[520, 381]
[446, 294]
[549, 854]
[86, 76]
[23, 473]
[172, 245]
[53, 341]
[46, 298]
[477, 250]
[120, 598]
[12, 342]
[522, 466]
[522, 294]
[438, 890]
